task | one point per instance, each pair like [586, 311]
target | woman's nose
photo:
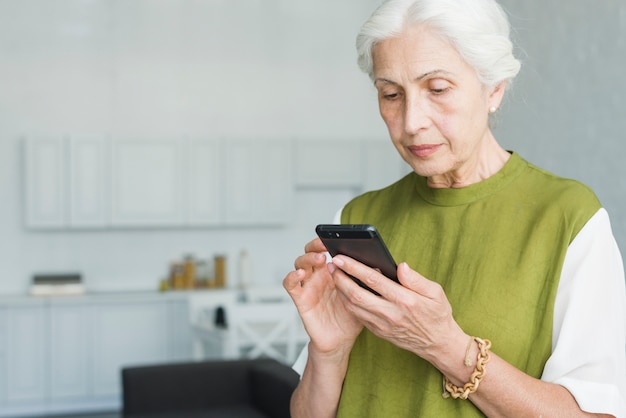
[416, 115]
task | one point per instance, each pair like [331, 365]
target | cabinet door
[147, 183]
[204, 181]
[69, 347]
[126, 334]
[26, 348]
[45, 182]
[326, 164]
[88, 182]
[258, 182]
[179, 331]
[382, 165]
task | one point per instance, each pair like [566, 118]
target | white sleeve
[337, 218]
[589, 330]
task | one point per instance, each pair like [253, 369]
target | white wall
[267, 69]
[164, 68]
[567, 112]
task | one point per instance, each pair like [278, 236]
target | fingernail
[338, 262]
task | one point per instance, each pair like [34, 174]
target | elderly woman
[512, 299]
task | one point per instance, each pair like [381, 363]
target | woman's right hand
[332, 331]
[330, 326]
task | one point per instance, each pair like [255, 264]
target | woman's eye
[390, 95]
[439, 88]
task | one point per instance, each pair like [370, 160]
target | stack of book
[57, 284]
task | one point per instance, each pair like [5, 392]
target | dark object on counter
[62, 278]
[232, 388]
[220, 317]
[62, 284]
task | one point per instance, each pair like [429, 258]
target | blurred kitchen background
[138, 134]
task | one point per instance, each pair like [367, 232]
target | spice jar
[220, 271]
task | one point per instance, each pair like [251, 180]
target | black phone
[361, 242]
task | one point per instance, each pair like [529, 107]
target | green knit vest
[497, 248]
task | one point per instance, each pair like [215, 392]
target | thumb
[411, 279]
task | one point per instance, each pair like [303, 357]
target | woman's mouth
[423, 151]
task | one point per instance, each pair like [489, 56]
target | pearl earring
[493, 109]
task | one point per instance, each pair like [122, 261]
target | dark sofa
[259, 388]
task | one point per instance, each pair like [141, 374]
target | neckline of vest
[465, 195]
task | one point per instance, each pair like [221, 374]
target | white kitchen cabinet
[126, 333]
[147, 182]
[328, 164]
[258, 180]
[65, 182]
[201, 182]
[26, 337]
[45, 162]
[360, 165]
[88, 181]
[64, 354]
[381, 165]
[99, 182]
[179, 333]
[204, 182]
[69, 323]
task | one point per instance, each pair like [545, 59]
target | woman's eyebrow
[418, 78]
[383, 80]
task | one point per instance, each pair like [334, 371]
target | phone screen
[361, 242]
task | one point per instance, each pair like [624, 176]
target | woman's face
[435, 108]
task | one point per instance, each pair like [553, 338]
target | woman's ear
[496, 95]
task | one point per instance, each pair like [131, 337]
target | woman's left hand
[415, 316]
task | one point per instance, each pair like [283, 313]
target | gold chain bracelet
[476, 377]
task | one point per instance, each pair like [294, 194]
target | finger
[363, 304]
[369, 276]
[315, 246]
[381, 315]
[411, 279]
[310, 261]
[293, 280]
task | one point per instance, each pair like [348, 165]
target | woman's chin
[428, 169]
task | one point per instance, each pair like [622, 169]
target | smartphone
[361, 242]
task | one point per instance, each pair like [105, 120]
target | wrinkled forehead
[418, 49]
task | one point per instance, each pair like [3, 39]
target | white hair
[478, 29]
